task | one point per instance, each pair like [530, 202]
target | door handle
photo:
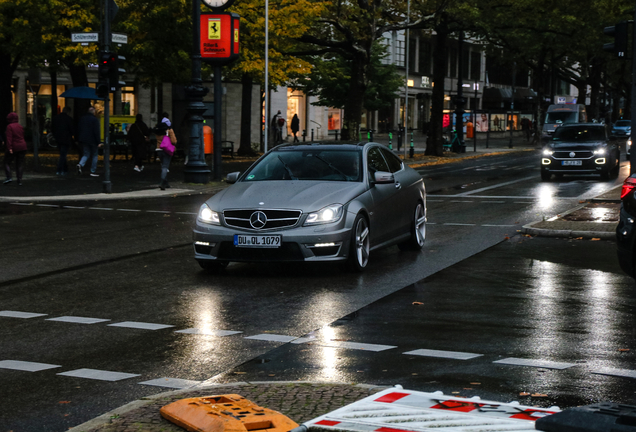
[398, 186]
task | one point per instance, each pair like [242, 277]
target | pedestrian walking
[139, 136]
[295, 126]
[16, 148]
[275, 128]
[63, 131]
[168, 138]
[90, 139]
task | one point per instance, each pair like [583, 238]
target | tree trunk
[245, 146]
[79, 79]
[355, 98]
[6, 99]
[54, 101]
[434, 142]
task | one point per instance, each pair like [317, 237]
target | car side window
[394, 162]
[375, 162]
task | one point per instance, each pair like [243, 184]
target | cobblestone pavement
[298, 401]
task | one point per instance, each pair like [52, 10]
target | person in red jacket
[16, 148]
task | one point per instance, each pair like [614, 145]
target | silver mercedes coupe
[313, 202]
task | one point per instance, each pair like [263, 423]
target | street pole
[406, 86]
[632, 166]
[107, 186]
[196, 170]
[218, 123]
[512, 102]
[267, 75]
[459, 111]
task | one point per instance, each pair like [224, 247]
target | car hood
[573, 145]
[286, 194]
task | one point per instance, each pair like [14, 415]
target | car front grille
[276, 219]
[578, 154]
[287, 252]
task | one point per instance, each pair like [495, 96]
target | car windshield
[314, 164]
[579, 134]
[561, 117]
[623, 123]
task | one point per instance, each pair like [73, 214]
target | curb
[573, 233]
[106, 418]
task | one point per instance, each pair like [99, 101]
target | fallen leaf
[538, 395]
[414, 373]
[582, 202]
[240, 373]
[524, 394]
[467, 388]
[64, 402]
[595, 239]
[578, 238]
[623, 350]
[475, 383]
[506, 238]
[418, 303]
[271, 375]
[455, 392]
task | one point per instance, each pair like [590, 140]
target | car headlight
[547, 152]
[207, 215]
[599, 152]
[331, 213]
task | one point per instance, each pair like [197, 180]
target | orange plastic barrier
[208, 140]
[225, 413]
[470, 129]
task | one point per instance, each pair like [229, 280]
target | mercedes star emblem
[258, 220]
[572, 154]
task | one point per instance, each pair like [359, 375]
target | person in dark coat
[139, 136]
[89, 137]
[63, 131]
[16, 148]
[295, 126]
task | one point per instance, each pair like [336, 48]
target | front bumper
[328, 242]
[587, 166]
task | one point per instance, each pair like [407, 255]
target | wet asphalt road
[483, 289]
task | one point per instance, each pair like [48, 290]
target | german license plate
[257, 241]
[572, 163]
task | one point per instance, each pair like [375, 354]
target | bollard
[399, 143]
[390, 139]
[312, 134]
[412, 149]
[371, 134]
[304, 134]
[336, 134]
[368, 135]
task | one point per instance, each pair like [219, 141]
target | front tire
[545, 175]
[360, 244]
[418, 230]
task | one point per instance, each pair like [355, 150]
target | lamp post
[266, 89]
[406, 86]
[196, 170]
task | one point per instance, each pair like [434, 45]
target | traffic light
[115, 70]
[103, 73]
[620, 34]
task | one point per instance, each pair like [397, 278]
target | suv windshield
[329, 165]
[580, 133]
[623, 123]
[561, 117]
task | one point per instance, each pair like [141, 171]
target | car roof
[571, 125]
[323, 145]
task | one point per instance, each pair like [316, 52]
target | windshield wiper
[330, 165]
[289, 171]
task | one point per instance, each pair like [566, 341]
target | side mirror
[232, 177]
[383, 177]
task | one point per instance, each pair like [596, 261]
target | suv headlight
[207, 215]
[547, 152]
[331, 213]
[599, 151]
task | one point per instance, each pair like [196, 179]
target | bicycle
[452, 144]
[47, 137]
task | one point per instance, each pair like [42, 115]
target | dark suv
[582, 148]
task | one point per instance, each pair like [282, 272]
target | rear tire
[360, 244]
[213, 267]
[418, 230]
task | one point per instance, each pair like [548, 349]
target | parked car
[622, 128]
[626, 231]
[582, 148]
[313, 202]
[560, 114]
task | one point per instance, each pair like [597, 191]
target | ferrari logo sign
[219, 38]
[214, 28]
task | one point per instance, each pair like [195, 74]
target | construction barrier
[225, 413]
